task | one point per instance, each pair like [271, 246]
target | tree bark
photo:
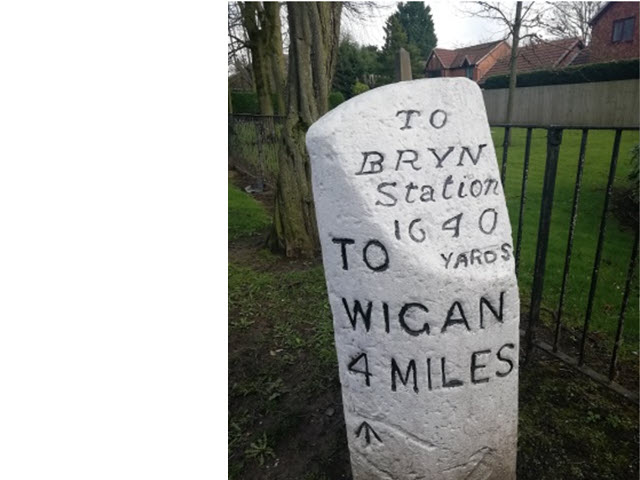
[514, 61]
[314, 29]
[262, 22]
[273, 43]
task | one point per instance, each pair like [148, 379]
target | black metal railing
[554, 140]
[266, 131]
[254, 146]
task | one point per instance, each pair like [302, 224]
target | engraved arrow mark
[368, 430]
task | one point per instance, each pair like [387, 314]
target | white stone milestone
[418, 257]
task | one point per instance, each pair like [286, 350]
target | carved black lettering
[451, 383]
[354, 361]
[394, 200]
[453, 224]
[423, 234]
[498, 314]
[427, 194]
[446, 259]
[382, 266]
[375, 166]
[343, 249]
[411, 186]
[447, 181]
[410, 161]
[357, 310]
[489, 182]
[509, 361]
[476, 256]
[385, 313]
[490, 256]
[411, 368]
[403, 323]
[451, 320]
[460, 189]
[468, 152]
[408, 113]
[461, 259]
[476, 188]
[475, 366]
[482, 223]
[506, 254]
[440, 159]
[368, 430]
[438, 119]
[396, 229]
[429, 386]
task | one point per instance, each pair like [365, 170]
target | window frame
[469, 71]
[622, 22]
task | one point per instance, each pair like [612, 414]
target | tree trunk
[273, 43]
[262, 36]
[314, 29]
[514, 61]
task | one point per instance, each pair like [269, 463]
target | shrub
[335, 99]
[594, 72]
[247, 103]
[359, 88]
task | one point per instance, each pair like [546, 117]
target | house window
[469, 72]
[623, 30]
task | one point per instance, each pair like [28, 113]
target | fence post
[554, 139]
[260, 137]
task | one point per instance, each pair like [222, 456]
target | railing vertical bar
[596, 263]
[523, 196]
[623, 307]
[505, 150]
[554, 138]
[572, 226]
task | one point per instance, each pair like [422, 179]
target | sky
[454, 28]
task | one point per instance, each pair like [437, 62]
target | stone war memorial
[419, 264]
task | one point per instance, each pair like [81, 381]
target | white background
[113, 337]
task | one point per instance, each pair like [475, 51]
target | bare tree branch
[570, 19]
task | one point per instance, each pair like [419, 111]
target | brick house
[472, 62]
[614, 34]
[540, 56]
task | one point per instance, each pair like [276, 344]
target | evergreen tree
[348, 68]
[396, 38]
[355, 64]
[415, 18]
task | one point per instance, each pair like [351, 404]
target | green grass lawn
[618, 240]
[246, 216]
[285, 409]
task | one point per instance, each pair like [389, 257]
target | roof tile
[539, 56]
[455, 58]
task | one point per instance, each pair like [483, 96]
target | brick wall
[602, 47]
[502, 50]
[434, 63]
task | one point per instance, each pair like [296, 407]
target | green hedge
[247, 102]
[594, 72]
[335, 99]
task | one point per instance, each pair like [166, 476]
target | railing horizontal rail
[563, 127]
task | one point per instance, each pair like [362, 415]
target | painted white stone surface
[444, 295]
